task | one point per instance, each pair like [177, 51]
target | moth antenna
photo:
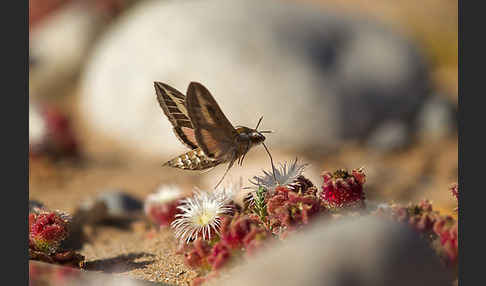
[271, 161]
[258, 124]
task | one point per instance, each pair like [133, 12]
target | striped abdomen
[193, 160]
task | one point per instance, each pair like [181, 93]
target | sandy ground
[141, 252]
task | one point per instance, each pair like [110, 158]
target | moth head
[253, 135]
[256, 137]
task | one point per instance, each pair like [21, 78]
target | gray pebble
[437, 119]
[355, 251]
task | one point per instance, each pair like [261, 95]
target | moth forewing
[215, 135]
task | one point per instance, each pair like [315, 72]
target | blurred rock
[33, 204]
[354, 251]
[437, 119]
[109, 205]
[390, 136]
[60, 43]
[90, 212]
[38, 129]
[120, 204]
[318, 77]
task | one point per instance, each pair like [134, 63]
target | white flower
[201, 215]
[164, 194]
[284, 176]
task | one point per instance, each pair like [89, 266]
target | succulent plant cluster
[238, 233]
[343, 189]
[455, 190]
[47, 231]
[214, 230]
[289, 209]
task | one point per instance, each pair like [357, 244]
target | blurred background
[344, 84]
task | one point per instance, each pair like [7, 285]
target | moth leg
[226, 172]
[208, 170]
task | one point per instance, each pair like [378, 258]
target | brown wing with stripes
[214, 133]
[173, 104]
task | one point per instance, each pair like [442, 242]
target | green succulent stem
[260, 205]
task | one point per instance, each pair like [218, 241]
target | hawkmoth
[199, 123]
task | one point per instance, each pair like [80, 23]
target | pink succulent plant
[61, 139]
[455, 190]
[447, 230]
[47, 230]
[237, 234]
[161, 207]
[50, 132]
[287, 209]
[343, 189]
[441, 231]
